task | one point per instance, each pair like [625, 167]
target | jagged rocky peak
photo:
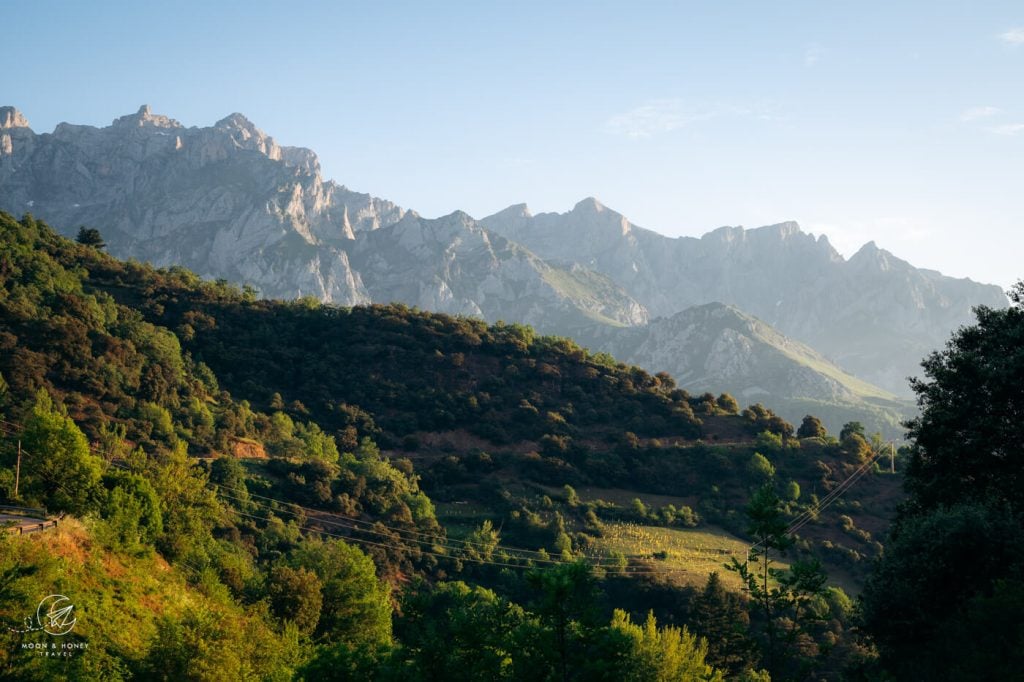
[513, 212]
[144, 118]
[458, 217]
[237, 121]
[738, 233]
[787, 235]
[246, 135]
[12, 118]
[870, 256]
[588, 205]
[726, 233]
[784, 229]
[592, 213]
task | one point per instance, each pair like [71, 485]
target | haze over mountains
[875, 314]
[228, 202]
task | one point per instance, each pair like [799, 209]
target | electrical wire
[453, 544]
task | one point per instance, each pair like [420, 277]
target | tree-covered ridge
[128, 383]
[132, 388]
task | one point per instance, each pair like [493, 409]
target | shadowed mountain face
[228, 202]
[874, 314]
[716, 347]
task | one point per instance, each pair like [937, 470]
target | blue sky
[901, 123]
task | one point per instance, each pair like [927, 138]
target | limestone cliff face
[716, 347]
[226, 201]
[453, 265]
[874, 314]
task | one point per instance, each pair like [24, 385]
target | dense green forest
[259, 489]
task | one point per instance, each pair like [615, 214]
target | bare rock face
[453, 265]
[716, 347]
[874, 314]
[228, 202]
[12, 118]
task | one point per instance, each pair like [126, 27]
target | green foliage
[90, 236]
[638, 508]
[295, 596]
[792, 491]
[569, 641]
[229, 473]
[61, 473]
[760, 419]
[662, 654]
[760, 469]
[769, 441]
[728, 404]
[940, 602]
[458, 632]
[850, 429]
[856, 447]
[481, 543]
[189, 508]
[781, 596]
[132, 511]
[148, 361]
[931, 602]
[201, 644]
[356, 606]
[720, 618]
[811, 427]
[159, 420]
[138, 617]
[967, 437]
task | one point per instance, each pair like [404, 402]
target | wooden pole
[17, 471]
[892, 458]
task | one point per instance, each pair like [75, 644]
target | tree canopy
[940, 602]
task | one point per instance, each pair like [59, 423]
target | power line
[541, 557]
[374, 526]
[453, 544]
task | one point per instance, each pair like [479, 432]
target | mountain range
[795, 323]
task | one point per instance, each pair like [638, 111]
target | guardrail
[33, 528]
[31, 511]
[25, 520]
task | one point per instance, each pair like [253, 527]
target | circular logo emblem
[56, 615]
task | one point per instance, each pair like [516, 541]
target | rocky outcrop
[12, 118]
[453, 265]
[228, 202]
[717, 347]
[874, 314]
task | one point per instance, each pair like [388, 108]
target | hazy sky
[901, 123]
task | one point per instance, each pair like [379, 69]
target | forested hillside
[378, 492]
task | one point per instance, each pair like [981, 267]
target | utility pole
[892, 457]
[17, 471]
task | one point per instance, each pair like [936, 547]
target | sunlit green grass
[691, 554]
